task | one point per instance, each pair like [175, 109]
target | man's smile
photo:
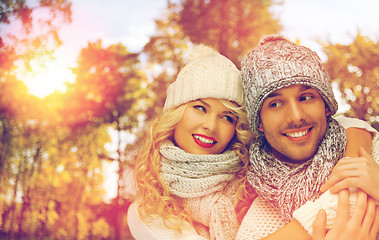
[298, 134]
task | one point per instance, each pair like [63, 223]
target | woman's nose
[210, 122]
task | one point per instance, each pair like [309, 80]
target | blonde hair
[153, 191]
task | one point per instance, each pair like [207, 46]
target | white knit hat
[207, 75]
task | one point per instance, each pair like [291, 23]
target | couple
[194, 169]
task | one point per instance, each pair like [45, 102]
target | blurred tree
[355, 67]
[233, 27]
[166, 52]
[110, 88]
[20, 47]
[32, 41]
[109, 85]
[55, 177]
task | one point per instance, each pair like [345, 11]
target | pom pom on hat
[201, 52]
[271, 38]
[207, 75]
[277, 63]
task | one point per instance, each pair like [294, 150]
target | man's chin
[296, 158]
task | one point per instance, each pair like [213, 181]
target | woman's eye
[200, 108]
[230, 119]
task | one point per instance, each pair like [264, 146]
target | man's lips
[204, 141]
[298, 135]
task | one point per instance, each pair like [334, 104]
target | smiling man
[293, 120]
[290, 104]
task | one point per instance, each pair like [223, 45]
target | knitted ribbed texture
[207, 75]
[195, 175]
[216, 211]
[278, 63]
[307, 214]
[203, 181]
[263, 219]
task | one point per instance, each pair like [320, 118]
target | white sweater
[262, 219]
[156, 230]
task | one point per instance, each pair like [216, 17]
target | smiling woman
[46, 75]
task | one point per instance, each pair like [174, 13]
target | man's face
[293, 120]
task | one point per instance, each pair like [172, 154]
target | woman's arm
[292, 230]
[363, 224]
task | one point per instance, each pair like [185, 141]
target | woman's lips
[204, 141]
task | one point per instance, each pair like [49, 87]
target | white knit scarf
[195, 175]
[289, 187]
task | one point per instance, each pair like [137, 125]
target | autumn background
[61, 141]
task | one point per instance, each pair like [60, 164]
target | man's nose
[295, 112]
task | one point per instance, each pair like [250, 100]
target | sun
[46, 75]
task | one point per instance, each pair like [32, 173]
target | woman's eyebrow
[203, 102]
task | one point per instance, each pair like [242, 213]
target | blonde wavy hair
[153, 191]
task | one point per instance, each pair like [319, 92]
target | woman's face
[206, 127]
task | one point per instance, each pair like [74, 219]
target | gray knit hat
[207, 75]
[277, 63]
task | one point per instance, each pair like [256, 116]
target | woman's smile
[204, 141]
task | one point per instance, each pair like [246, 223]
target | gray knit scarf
[289, 187]
[195, 175]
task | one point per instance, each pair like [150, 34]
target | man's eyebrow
[305, 87]
[276, 94]
[273, 94]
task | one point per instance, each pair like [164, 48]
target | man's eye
[200, 108]
[305, 98]
[275, 104]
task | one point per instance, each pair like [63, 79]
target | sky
[131, 22]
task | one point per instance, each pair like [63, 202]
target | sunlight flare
[46, 76]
